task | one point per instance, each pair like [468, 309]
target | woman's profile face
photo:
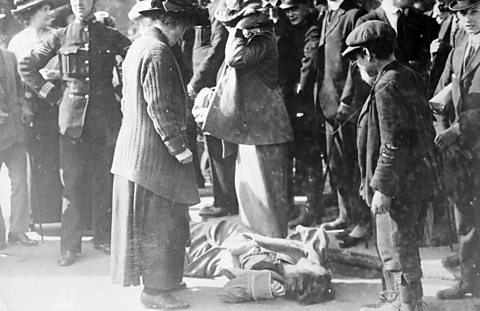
[43, 17]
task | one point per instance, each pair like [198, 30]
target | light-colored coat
[153, 130]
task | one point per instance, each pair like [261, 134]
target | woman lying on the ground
[261, 267]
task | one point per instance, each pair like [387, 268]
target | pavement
[31, 280]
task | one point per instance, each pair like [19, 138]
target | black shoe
[20, 238]
[164, 301]
[342, 235]
[214, 212]
[67, 258]
[350, 241]
[458, 291]
[451, 261]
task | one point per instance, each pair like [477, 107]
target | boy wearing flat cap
[395, 135]
[459, 142]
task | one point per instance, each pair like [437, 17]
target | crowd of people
[381, 103]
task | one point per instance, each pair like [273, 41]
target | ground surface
[31, 280]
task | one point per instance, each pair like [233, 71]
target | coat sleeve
[162, 94]
[39, 57]
[122, 42]
[241, 52]
[206, 73]
[308, 71]
[442, 120]
[395, 137]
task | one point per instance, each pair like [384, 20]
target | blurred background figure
[41, 135]
[13, 111]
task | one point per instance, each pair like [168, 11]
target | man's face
[82, 8]
[470, 19]
[403, 4]
[297, 14]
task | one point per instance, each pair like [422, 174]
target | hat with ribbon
[460, 5]
[22, 6]
[231, 10]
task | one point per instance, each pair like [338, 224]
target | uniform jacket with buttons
[247, 106]
[11, 130]
[395, 137]
[87, 51]
[465, 106]
[153, 128]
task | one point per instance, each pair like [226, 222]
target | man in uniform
[457, 138]
[395, 141]
[89, 120]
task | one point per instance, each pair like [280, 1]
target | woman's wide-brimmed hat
[22, 6]
[173, 6]
[231, 10]
[461, 5]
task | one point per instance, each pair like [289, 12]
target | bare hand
[447, 137]
[3, 117]
[344, 112]
[380, 203]
[435, 46]
[191, 92]
[26, 116]
[50, 74]
[185, 157]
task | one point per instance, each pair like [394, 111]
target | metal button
[87, 79]
[85, 29]
[87, 96]
[86, 62]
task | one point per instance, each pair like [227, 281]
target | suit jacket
[153, 128]
[208, 51]
[395, 137]
[413, 50]
[87, 53]
[439, 59]
[247, 106]
[333, 68]
[11, 130]
[465, 105]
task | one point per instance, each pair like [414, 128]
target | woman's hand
[185, 157]
[447, 137]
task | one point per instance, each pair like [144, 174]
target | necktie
[400, 24]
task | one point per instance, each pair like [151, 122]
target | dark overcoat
[395, 137]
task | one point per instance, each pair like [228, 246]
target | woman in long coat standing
[248, 110]
[154, 182]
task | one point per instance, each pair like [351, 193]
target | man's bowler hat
[461, 5]
[368, 33]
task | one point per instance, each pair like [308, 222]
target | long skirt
[149, 235]
[261, 187]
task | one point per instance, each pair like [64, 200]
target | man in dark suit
[395, 135]
[89, 120]
[337, 22]
[207, 57]
[457, 138]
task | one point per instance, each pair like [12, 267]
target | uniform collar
[88, 21]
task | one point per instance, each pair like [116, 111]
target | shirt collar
[334, 5]
[388, 7]
[474, 39]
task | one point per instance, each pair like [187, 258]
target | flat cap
[368, 33]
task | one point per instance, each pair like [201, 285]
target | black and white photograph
[242, 155]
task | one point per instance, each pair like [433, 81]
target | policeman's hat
[460, 5]
[22, 6]
[172, 6]
[287, 4]
[368, 33]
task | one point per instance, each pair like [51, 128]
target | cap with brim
[368, 33]
[231, 10]
[287, 4]
[460, 5]
[24, 6]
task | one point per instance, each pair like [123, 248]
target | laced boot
[388, 300]
[308, 212]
